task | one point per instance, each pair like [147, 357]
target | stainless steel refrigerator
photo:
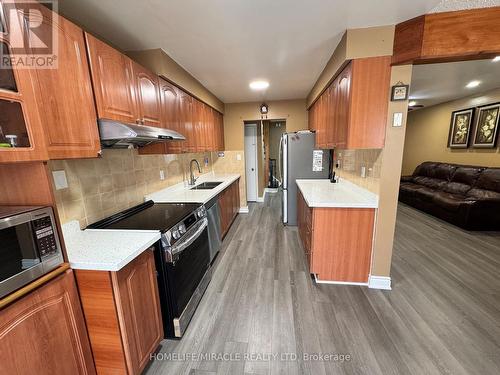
[299, 159]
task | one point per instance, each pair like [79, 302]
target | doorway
[251, 168]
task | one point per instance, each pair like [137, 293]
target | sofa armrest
[483, 214]
[406, 178]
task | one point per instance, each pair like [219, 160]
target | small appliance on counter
[29, 245]
[182, 256]
[299, 159]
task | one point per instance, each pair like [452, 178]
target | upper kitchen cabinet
[148, 96]
[352, 112]
[21, 133]
[113, 81]
[187, 121]
[65, 96]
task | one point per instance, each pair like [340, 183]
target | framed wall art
[460, 128]
[486, 129]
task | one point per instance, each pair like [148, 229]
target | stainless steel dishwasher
[214, 232]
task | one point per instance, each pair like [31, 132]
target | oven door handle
[195, 233]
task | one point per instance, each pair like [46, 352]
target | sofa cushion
[456, 188]
[489, 180]
[430, 182]
[450, 202]
[425, 194]
[409, 188]
[425, 169]
[467, 175]
[444, 171]
[481, 194]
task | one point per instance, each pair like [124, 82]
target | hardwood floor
[442, 316]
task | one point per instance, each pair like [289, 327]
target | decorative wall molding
[243, 210]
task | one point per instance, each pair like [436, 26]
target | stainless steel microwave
[29, 245]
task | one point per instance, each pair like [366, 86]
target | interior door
[251, 161]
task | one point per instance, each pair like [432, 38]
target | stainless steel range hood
[115, 134]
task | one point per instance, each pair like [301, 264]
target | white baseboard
[271, 190]
[261, 199]
[379, 282]
[244, 210]
[318, 281]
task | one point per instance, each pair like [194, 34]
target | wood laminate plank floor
[262, 312]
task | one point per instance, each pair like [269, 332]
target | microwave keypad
[45, 238]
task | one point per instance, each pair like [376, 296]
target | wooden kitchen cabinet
[186, 118]
[65, 96]
[229, 204]
[19, 112]
[148, 96]
[337, 241]
[352, 112]
[113, 81]
[44, 332]
[122, 311]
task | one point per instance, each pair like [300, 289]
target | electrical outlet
[162, 175]
[60, 181]
[238, 156]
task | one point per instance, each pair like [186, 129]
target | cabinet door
[19, 112]
[321, 121]
[148, 96]
[330, 123]
[65, 94]
[113, 81]
[187, 122]
[342, 100]
[220, 121]
[138, 310]
[44, 333]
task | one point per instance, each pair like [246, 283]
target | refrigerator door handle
[280, 153]
[285, 162]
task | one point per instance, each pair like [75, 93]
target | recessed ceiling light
[473, 84]
[259, 85]
[496, 59]
[412, 103]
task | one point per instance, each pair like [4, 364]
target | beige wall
[159, 62]
[293, 111]
[355, 44]
[430, 127]
[98, 188]
[392, 159]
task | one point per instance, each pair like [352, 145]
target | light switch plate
[397, 119]
[60, 180]
[238, 156]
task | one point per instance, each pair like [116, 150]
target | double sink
[206, 185]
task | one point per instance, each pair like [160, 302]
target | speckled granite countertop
[322, 193]
[104, 249]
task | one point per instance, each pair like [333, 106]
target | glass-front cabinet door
[21, 136]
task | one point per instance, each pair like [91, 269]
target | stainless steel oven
[29, 245]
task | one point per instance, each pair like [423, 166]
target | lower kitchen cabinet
[122, 311]
[44, 332]
[337, 241]
[229, 202]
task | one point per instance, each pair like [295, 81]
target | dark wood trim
[448, 36]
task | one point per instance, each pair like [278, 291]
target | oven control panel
[45, 236]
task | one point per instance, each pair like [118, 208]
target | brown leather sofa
[467, 196]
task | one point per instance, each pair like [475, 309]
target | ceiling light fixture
[496, 59]
[259, 85]
[412, 103]
[473, 84]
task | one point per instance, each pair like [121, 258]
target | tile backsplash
[98, 188]
[351, 163]
[232, 162]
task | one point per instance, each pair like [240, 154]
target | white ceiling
[227, 43]
[438, 83]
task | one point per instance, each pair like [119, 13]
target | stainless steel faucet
[192, 180]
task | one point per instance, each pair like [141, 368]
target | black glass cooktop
[148, 216]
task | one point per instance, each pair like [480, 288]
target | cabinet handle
[138, 121]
